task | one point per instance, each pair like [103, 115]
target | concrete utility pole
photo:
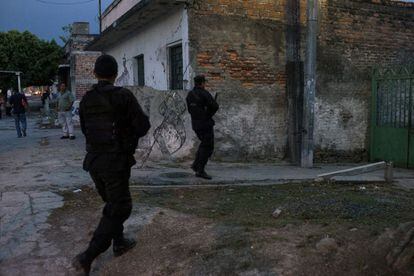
[19, 84]
[310, 86]
[295, 80]
[100, 16]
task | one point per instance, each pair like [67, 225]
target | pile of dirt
[396, 246]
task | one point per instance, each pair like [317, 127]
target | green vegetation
[323, 203]
[37, 59]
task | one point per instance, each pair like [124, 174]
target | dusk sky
[45, 18]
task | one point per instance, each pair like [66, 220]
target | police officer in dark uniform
[112, 122]
[202, 107]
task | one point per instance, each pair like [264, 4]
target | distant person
[65, 103]
[1, 104]
[112, 121]
[45, 96]
[45, 101]
[202, 107]
[9, 93]
[19, 104]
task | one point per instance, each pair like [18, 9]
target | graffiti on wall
[170, 135]
[123, 79]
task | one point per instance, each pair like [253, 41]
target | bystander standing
[65, 103]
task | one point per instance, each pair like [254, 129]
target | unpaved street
[34, 170]
[49, 210]
[36, 174]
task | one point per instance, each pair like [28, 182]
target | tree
[37, 59]
[67, 30]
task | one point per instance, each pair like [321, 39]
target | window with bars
[140, 75]
[176, 67]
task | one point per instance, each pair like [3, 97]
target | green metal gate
[392, 124]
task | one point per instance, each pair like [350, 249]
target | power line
[63, 3]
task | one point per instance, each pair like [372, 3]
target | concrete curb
[249, 184]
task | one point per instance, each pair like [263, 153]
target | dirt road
[49, 210]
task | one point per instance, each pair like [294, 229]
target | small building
[252, 53]
[77, 69]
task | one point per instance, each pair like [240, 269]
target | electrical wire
[63, 3]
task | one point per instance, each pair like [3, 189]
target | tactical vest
[195, 106]
[100, 124]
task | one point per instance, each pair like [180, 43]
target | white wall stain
[341, 125]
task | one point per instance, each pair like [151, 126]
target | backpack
[100, 123]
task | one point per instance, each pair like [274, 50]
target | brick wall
[354, 37]
[83, 77]
[78, 42]
[81, 63]
[239, 46]
[242, 47]
[253, 9]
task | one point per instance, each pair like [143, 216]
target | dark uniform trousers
[206, 148]
[113, 187]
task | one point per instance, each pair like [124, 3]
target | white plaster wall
[153, 43]
[341, 125]
[116, 11]
[188, 73]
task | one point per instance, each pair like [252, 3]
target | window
[176, 67]
[140, 74]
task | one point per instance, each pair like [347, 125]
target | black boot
[204, 175]
[82, 264]
[123, 245]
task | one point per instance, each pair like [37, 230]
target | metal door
[392, 128]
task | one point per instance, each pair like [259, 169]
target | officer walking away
[112, 121]
[65, 103]
[18, 103]
[202, 107]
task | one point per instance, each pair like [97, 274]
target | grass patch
[86, 199]
[378, 205]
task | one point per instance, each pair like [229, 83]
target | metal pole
[17, 73]
[100, 16]
[18, 82]
[310, 85]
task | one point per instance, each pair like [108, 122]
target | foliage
[67, 30]
[37, 59]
